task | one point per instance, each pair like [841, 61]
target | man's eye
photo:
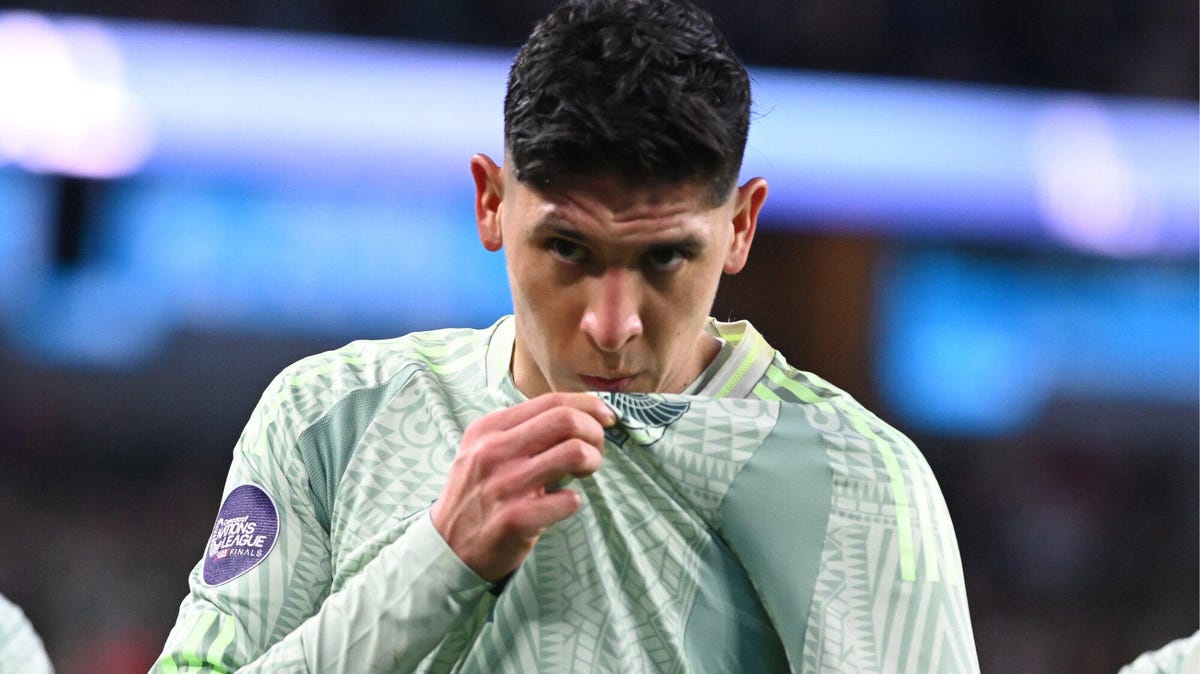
[665, 259]
[565, 249]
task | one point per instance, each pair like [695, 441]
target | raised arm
[260, 599]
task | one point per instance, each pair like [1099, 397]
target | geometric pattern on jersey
[722, 533]
[625, 568]
[886, 513]
[398, 470]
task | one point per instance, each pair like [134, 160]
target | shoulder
[20, 647]
[872, 463]
[317, 382]
[1177, 657]
[308, 425]
[845, 428]
[330, 387]
[827, 406]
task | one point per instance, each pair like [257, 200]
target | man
[607, 480]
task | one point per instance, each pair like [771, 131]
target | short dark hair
[648, 91]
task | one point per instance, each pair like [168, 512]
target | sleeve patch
[243, 535]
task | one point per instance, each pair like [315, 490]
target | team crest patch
[642, 417]
[243, 536]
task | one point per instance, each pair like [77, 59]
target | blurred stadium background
[983, 223]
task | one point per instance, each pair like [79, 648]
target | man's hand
[495, 504]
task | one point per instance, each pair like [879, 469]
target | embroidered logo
[642, 417]
[243, 535]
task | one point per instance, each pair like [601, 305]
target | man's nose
[612, 317]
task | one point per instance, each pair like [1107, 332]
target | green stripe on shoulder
[743, 367]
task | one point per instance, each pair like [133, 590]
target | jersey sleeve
[845, 537]
[260, 599]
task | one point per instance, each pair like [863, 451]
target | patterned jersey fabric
[763, 521]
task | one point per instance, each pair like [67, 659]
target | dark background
[1145, 47]
[1078, 532]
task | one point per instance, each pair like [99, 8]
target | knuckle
[577, 452]
[573, 422]
[509, 521]
[464, 461]
[492, 491]
[489, 451]
[568, 504]
[560, 398]
[474, 428]
[552, 400]
[571, 400]
[477, 429]
[562, 418]
[481, 458]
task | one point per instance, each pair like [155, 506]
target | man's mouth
[609, 384]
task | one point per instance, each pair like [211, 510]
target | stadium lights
[1108, 175]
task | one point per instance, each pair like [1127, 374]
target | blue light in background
[871, 152]
[234, 257]
[91, 317]
[313, 109]
[973, 345]
[25, 212]
[971, 161]
[169, 255]
[299, 183]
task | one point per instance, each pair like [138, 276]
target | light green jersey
[763, 521]
[21, 649]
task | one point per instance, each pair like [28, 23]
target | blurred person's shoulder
[1181, 656]
[21, 649]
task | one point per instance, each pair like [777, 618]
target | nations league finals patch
[243, 536]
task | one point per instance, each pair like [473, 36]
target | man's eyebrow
[553, 225]
[687, 242]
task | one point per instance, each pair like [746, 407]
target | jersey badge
[243, 535]
[641, 417]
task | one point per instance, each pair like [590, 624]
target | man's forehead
[614, 199]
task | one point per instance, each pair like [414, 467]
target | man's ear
[489, 195]
[749, 201]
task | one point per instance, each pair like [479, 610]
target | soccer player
[21, 649]
[608, 480]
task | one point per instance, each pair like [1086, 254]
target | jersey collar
[742, 361]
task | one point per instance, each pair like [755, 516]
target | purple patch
[243, 536]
